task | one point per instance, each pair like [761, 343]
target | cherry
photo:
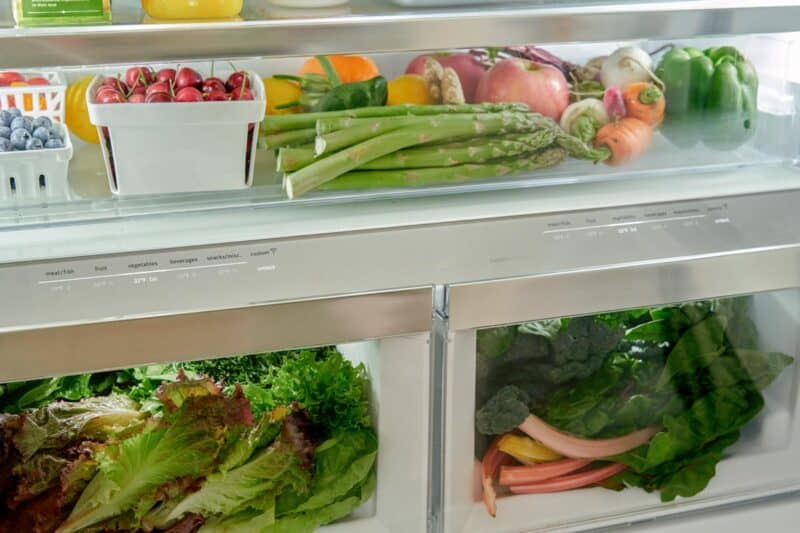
[189, 94]
[166, 74]
[187, 77]
[217, 96]
[139, 76]
[241, 93]
[136, 98]
[117, 84]
[159, 87]
[237, 79]
[157, 98]
[109, 97]
[213, 84]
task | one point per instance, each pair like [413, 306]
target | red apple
[157, 98]
[468, 68]
[159, 87]
[187, 77]
[8, 77]
[217, 96]
[189, 94]
[542, 87]
[137, 98]
[166, 74]
[139, 76]
[237, 79]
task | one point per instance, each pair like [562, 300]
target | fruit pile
[144, 85]
[20, 133]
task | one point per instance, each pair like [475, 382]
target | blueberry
[34, 144]
[5, 145]
[19, 138]
[55, 133]
[42, 133]
[5, 132]
[5, 118]
[15, 112]
[54, 143]
[22, 123]
[40, 122]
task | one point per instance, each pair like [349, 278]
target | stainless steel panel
[377, 27]
[341, 262]
[588, 291]
[62, 350]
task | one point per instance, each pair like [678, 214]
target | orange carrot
[645, 101]
[627, 139]
[349, 68]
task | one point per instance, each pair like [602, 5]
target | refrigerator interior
[551, 361]
[397, 371]
[698, 150]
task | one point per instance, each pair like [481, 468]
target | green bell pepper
[711, 96]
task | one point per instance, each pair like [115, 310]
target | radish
[626, 65]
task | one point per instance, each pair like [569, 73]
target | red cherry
[139, 76]
[159, 87]
[109, 97]
[157, 98]
[166, 74]
[116, 83]
[237, 79]
[211, 85]
[136, 98]
[217, 96]
[187, 77]
[139, 89]
[241, 93]
[189, 94]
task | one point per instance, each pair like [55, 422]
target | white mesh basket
[37, 100]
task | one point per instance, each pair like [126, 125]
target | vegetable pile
[647, 398]
[280, 442]
[463, 116]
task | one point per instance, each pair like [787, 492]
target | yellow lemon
[408, 89]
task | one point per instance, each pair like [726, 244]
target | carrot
[349, 68]
[627, 139]
[645, 101]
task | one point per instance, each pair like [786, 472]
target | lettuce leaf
[184, 442]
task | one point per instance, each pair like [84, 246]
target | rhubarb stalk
[569, 482]
[524, 475]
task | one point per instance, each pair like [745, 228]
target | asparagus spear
[276, 123]
[385, 179]
[295, 157]
[434, 129]
[579, 149]
[289, 138]
[475, 151]
[364, 129]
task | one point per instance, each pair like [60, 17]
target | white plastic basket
[37, 100]
[37, 175]
[178, 147]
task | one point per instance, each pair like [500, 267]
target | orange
[349, 68]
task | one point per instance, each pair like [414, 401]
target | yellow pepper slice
[526, 450]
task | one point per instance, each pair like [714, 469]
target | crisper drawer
[165, 424]
[606, 396]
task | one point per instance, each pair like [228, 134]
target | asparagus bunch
[416, 145]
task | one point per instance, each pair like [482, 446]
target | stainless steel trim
[475, 305]
[371, 30]
[63, 350]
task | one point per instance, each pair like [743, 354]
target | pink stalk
[493, 459]
[523, 475]
[570, 482]
[577, 448]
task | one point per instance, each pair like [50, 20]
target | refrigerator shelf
[381, 26]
